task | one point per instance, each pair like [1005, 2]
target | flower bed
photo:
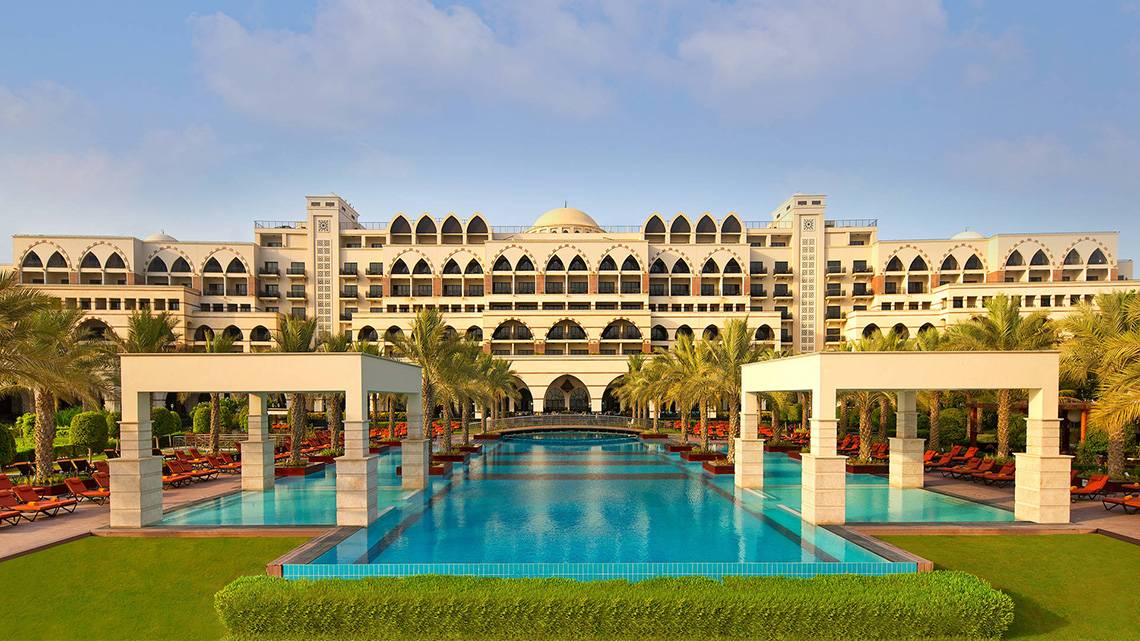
[719, 466]
[901, 606]
[652, 436]
[694, 456]
[867, 468]
[298, 470]
[678, 447]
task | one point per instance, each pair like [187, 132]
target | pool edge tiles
[594, 571]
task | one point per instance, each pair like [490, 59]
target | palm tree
[1102, 352]
[457, 384]
[1003, 328]
[295, 335]
[17, 305]
[692, 379]
[149, 333]
[71, 366]
[932, 340]
[777, 403]
[428, 346]
[501, 384]
[728, 353]
[631, 390]
[218, 344]
[337, 343]
[865, 401]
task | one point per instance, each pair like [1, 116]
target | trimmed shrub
[901, 606]
[163, 422]
[7, 445]
[89, 431]
[952, 426]
[113, 419]
[26, 423]
[201, 418]
[63, 417]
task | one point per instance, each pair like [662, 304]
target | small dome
[968, 234]
[565, 219]
[160, 237]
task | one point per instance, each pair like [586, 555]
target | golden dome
[565, 220]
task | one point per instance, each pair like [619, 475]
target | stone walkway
[43, 532]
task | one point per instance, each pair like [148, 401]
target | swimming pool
[586, 506]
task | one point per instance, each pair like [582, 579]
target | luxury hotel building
[566, 299]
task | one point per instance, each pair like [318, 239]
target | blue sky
[198, 118]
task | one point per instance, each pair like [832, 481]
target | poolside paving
[28, 536]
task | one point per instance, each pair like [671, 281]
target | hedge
[902, 606]
[89, 431]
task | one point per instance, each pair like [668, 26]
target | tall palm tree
[503, 384]
[295, 335]
[865, 401]
[17, 305]
[932, 340]
[777, 402]
[1102, 352]
[728, 353]
[693, 379]
[218, 344]
[336, 343]
[631, 390]
[72, 366]
[1003, 328]
[457, 383]
[149, 333]
[426, 345]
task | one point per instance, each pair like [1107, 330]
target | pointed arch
[525, 264]
[451, 225]
[630, 264]
[917, 265]
[157, 266]
[473, 267]
[608, 264]
[56, 260]
[180, 266]
[115, 261]
[732, 267]
[399, 225]
[555, 264]
[1039, 259]
[212, 266]
[235, 267]
[399, 267]
[32, 260]
[658, 267]
[654, 225]
[451, 267]
[731, 225]
[949, 264]
[426, 225]
[501, 264]
[422, 268]
[894, 264]
[1014, 259]
[1097, 258]
[1073, 257]
[680, 267]
[710, 267]
[476, 228]
[577, 265]
[90, 261]
[706, 225]
[680, 225]
[973, 262]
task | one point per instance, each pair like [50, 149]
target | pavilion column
[356, 469]
[906, 466]
[1041, 492]
[416, 450]
[823, 497]
[136, 476]
[749, 464]
[257, 465]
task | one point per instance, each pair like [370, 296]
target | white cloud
[363, 62]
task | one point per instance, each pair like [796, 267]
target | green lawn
[1083, 587]
[104, 589]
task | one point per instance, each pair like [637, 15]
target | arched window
[555, 265]
[502, 264]
[473, 267]
[451, 225]
[89, 261]
[511, 330]
[577, 265]
[683, 330]
[654, 225]
[731, 225]
[763, 333]
[235, 267]
[212, 266]
[973, 262]
[477, 227]
[421, 268]
[566, 330]
[710, 333]
[630, 264]
[621, 330]
[901, 331]
[732, 267]
[870, 330]
[32, 260]
[425, 226]
[949, 264]
[658, 333]
[368, 333]
[607, 265]
[451, 267]
[917, 265]
[1097, 258]
[894, 264]
[56, 260]
[1073, 257]
[260, 334]
[524, 265]
[658, 267]
[680, 226]
[203, 333]
[1014, 260]
[400, 225]
[1039, 259]
[399, 267]
[233, 332]
[474, 333]
[392, 333]
[157, 265]
[710, 267]
[115, 261]
[180, 266]
[680, 267]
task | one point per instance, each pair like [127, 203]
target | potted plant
[696, 455]
[678, 447]
[782, 446]
[718, 466]
[860, 466]
[327, 455]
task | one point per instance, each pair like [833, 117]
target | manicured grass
[105, 589]
[1082, 587]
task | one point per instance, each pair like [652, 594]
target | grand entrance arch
[566, 394]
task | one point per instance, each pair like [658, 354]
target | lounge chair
[25, 500]
[1092, 489]
[26, 469]
[196, 474]
[1130, 504]
[82, 466]
[954, 451]
[990, 477]
[967, 455]
[101, 467]
[1131, 486]
[102, 480]
[67, 467]
[11, 517]
[170, 478]
[952, 470]
[223, 467]
[6, 483]
[985, 466]
[111, 452]
[940, 461]
[79, 492]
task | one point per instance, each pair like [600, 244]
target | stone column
[136, 475]
[1041, 493]
[356, 469]
[257, 464]
[906, 468]
[749, 463]
[823, 497]
[595, 403]
[416, 450]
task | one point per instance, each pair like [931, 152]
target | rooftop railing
[279, 224]
[852, 222]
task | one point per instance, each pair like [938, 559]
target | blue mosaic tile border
[591, 571]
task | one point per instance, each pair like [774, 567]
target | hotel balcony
[782, 272]
[268, 271]
[836, 272]
[270, 294]
[295, 294]
[349, 271]
[375, 293]
[295, 272]
[835, 293]
[782, 293]
[862, 293]
[349, 292]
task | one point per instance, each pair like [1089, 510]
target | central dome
[565, 220]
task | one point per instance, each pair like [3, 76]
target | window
[375, 269]
[834, 267]
[782, 267]
[296, 268]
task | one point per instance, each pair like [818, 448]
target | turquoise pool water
[587, 507]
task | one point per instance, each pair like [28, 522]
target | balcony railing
[267, 293]
[851, 222]
[375, 292]
[349, 292]
[631, 288]
[268, 271]
[349, 271]
[475, 290]
[295, 271]
[295, 294]
[279, 224]
[757, 292]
